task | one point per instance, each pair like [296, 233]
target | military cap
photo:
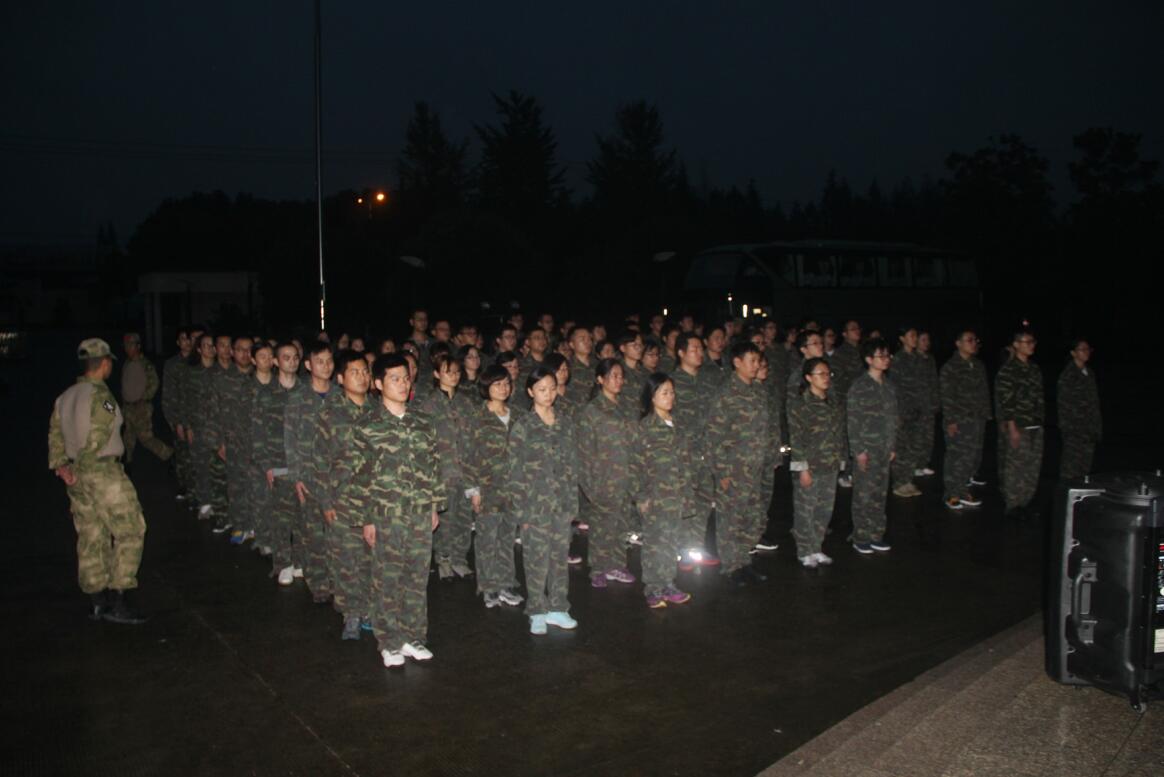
[94, 348]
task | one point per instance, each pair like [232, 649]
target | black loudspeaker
[1105, 585]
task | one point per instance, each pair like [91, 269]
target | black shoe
[100, 605]
[121, 612]
[755, 575]
[739, 578]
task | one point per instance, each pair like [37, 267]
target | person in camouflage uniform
[737, 447]
[1080, 422]
[563, 405]
[334, 461]
[85, 447]
[630, 346]
[816, 432]
[270, 451]
[220, 376]
[965, 398]
[543, 486]
[258, 496]
[1019, 408]
[717, 368]
[398, 490]
[201, 431]
[174, 374]
[581, 366]
[664, 490]
[846, 361]
[871, 410]
[235, 409]
[693, 395]
[934, 397]
[538, 343]
[809, 345]
[448, 408]
[774, 397]
[605, 438]
[668, 356]
[139, 385]
[913, 398]
[300, 425]
[486, 472]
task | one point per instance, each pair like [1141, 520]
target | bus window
[713, 271]
[928, 271]
[780, 263]
[818, 271]
[963, 272]
[895, 271]
[857, 272]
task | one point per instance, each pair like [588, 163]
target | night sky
[111, 107]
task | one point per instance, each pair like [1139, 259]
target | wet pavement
[235, 675]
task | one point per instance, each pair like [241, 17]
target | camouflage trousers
[912, 433]
[606, 539]
[219, 499]
[694, 531]
[662, 529]
[183, 467]
[963, 457]
[768, 485]
[284, 524]
[1077, 456]
[454, 536]
[139, 427]
[740, 519]
[312, 533]
[110, 527]
[258, 504]
[200, 462]
[545, 546]
[870, 489]
[351, 568]
[927, 449]
[239, 477]
[494, 552]
[1018, 468]
[400, 564]
[812, 509]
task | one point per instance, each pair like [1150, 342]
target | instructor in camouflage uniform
[85, 450]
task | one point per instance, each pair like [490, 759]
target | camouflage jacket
[775, 391]
[667, 363]
[487, 462]
[871, 408]
[663, 467]
[334, 458]
[1018, 393]
[85, 417]
[964, 391]
[397, 475]
[526, 365]
[605, 439]
[174, 374]
[235, 395]
[1078, 402]
[909, 375]
[563, 405]
[630, 401]
[847, 366]
[737, 441]
[450, 420]
[929, 371]
[716, 373]
[300, 424]
[269, 416]
[543, 468]
[201, 413]
[693, 396]
[581, 381]
[796, 376]
[816, 431]
[779, 364]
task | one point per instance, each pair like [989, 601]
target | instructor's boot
[99, 606]
[121, 612]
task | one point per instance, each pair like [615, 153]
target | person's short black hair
[628, 337]
[437, 347]
[685, 339]
[654, 382]
[555, 361]
[259, 345]
[652, 344]
[537, 374]
[242, 337]
[505, 357]
[869, 348]
[1022, 332]
[317, 347]
[807, 368]
[346, 357]
[1075, 341]
[803, 335]
[741, 348]
[490, 375]
[388, 361]
[284, 344]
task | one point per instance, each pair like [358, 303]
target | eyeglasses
[1027, 341]
[819, 374]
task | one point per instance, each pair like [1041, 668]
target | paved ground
[234, 675]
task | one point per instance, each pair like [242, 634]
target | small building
[174, 299]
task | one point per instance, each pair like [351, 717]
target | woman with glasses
[816, 427]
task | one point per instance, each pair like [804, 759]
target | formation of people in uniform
[361, 470]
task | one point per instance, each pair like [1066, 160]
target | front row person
[872, 410]
[816, 428]
[399, 493]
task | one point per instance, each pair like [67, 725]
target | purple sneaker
[675, 596]
[598, 580]
[620, 575]
[656, 601]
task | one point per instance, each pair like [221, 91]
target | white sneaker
[204, 512]
[766, 545]
[414, 650]
[286, 575]
[297, 572]
[822, 559]
[634, 538]
[809, 561]
[392, 658]
[926, 472]
[509, 597]
[249, 534]
[845, 481]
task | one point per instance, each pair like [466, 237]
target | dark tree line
[458, 232]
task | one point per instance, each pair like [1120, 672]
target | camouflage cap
[94, 348]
